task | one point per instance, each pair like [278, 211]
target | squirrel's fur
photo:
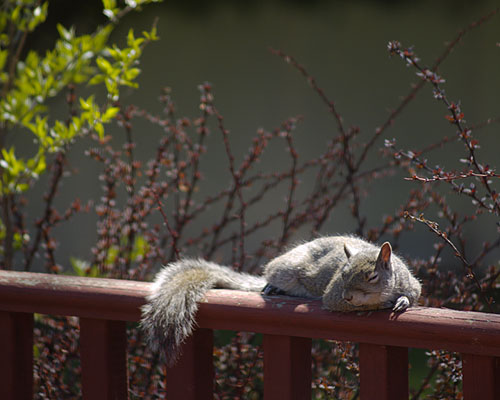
[347, 273]
[168, 316]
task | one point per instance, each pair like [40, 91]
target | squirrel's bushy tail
[168, 316]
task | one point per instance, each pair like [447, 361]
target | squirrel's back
[317, 261]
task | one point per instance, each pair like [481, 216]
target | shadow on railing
[288, 324]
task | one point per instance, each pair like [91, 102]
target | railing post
[287, 367]
[192, 377]
[383, 372]
[481, 377]
[16, 355]
[103, 354]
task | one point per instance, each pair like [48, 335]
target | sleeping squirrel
[346, 272]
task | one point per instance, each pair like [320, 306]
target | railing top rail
[468, 332]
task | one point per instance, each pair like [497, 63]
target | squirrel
[347, 273]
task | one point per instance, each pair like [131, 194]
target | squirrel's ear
[384, 257]
[347, 252]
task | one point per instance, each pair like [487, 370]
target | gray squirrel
[347, 273]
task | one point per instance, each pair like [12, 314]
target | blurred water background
[341, 43]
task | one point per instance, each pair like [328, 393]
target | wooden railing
[103, 306]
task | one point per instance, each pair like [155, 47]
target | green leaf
[110, 114]
[104, 65]
[79, 266]
[101, 38]
[64, 33]
[109, 3]
[99, 128]
[40, 130]
[39, 16]
[134, 85]
[151, 35]
[96, 79]
[112, 254]
[130, 37]
[83, 268]
[36, 352]
[37, 164]
[140, 248]
[15, 14]
[87, 104]
[132, 73]
[3, 58]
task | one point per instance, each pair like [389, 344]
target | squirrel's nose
[347, 297]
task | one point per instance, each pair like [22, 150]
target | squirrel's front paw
[402, 303]
[270, 290]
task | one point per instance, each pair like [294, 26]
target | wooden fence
[104, 305]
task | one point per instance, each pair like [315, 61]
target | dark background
[341, 43]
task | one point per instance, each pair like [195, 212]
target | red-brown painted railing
[103, 306]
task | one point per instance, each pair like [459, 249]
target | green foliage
[28, 80]
[138, 249]
[113, 12]
[83, 268]
[25, 15]
[18, 239]
[17, 173]
[27, 84]
[122, 70]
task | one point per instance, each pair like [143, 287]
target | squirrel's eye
[372, 277]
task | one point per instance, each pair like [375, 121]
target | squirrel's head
[367, 275]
